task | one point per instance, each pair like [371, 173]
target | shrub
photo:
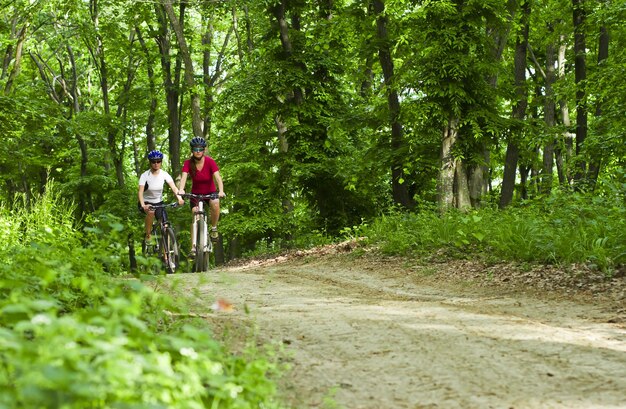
[74, 336]
[566, 228]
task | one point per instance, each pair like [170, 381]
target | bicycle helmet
[197, 142]
[155, 155]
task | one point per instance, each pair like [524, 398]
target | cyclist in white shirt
[151, 184]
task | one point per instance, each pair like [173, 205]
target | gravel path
[361, 334]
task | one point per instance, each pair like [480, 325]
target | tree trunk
[206, 78]
[603, 54]
[196, 116]
[564, 158]
[478, 177]
[279, 12]
[523, 185]
[18, 59]
[284, 174]
[8, 52]
[98, 55]
[462, 198]
[240, 52]
[580, 74]
[171, 84]
[549, 112]
[150, 138]
[249, 39]
[368, 77]
[445, 183]
[122, 101]
[398, 145]
[209, 80]
[519, 109]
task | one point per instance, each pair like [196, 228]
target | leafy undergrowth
[566, 229]
[75, 334]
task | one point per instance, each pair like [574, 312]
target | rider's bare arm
[183, 181]
[220, 184]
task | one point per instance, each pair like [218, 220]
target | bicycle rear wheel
[170, 250]
[200, 264]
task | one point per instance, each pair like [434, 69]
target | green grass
[567, 228]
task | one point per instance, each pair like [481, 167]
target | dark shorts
[193, 202]
[158, 212]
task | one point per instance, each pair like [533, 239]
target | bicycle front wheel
[170, 250]
[199, 264]
[207, 254]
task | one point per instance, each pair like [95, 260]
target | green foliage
[330, 168]
[73, 337]
[565, 228]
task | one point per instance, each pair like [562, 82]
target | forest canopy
[320, 114]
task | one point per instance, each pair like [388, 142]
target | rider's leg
[148, 224]
[215, 216]
[215, 212]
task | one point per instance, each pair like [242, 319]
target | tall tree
[398, 147]
[171, 83]
[98, 53]
[519, 108]
[580, 70]
[150, 137]
[196, 113]
[549, 119]
[603, 55]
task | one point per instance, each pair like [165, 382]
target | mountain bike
[203, 244]
[163, 243]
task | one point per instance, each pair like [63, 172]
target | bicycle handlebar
[163, 206]
[212, 196]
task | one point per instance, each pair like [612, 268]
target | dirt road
[363, 335]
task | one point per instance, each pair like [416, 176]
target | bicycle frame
[166, 246]
[200, 232]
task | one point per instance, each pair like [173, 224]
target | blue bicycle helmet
[155, 155]
[197, 142]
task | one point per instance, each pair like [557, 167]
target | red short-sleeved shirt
[202, 183]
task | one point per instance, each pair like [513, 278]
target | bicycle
[204, 246]
[163, 241]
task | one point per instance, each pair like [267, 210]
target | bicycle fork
[194, 231]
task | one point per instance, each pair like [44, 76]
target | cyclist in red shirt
[205, 179]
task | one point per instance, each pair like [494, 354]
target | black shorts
[158, 212]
